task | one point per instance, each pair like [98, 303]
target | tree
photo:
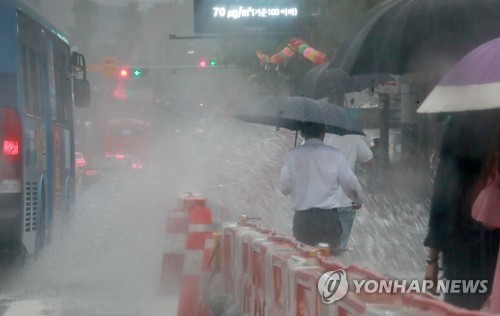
[85, 14]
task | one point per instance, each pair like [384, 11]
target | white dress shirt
[313, 173]
[355, 149]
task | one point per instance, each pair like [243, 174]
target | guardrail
[247, 269]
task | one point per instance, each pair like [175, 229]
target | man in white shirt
[312, 175]
[355, 150]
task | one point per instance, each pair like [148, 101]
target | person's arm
[432, 269]
[285, 183]
[349, 182]
[364, 153]
[445, 202]
[442, 214]
[433, 255]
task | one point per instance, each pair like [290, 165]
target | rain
[145, 62]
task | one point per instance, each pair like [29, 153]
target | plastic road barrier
[176, 234]
[262, 274]
[200, 236]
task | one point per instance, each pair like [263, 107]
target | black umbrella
[401, 36]
[323, 81]
[289, 112]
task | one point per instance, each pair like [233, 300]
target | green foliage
[85, 14]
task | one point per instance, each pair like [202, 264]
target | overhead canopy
[402, 36]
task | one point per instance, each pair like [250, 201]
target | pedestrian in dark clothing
[377, 170]
[468, 250]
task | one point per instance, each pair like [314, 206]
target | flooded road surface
[78, 307]
[107, 261]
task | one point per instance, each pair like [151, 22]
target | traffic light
[139, 72]
[202, 63]
[126, 72]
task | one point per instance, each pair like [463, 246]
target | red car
[80, 161]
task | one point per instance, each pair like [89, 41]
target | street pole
[408, 116]
[385, 114]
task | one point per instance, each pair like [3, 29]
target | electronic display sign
[246, 16]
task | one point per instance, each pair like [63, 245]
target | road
[108, 260]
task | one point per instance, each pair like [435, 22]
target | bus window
[32, 81]
[31, 43]
[62, 85]
[127, 131]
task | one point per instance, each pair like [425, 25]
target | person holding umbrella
[466, 249]
[486, 207]
[356, 151]
[312, 176]
[313, 173]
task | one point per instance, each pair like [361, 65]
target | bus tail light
[11, 128]
[10, 157]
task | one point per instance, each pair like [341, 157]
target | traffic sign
[247, 17]
[109, 68]
[390, 87]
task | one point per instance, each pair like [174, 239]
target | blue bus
[40, 82]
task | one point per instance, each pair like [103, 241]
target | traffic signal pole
[208, 66]
[210, 36]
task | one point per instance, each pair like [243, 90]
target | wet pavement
[108, 261]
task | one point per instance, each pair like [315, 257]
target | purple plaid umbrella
[472, 84]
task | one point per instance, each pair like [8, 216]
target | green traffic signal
[137, 73]
[213, 63]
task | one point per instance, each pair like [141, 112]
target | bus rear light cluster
[10, 147]
[11, 128]
[10, 155]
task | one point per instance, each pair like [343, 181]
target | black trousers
[317, 225]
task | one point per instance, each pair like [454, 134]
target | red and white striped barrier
[261, 274]
[173, 253]
[176, 234]
[276, 285]
[200, 237]
[243, 267]
[303, 297]
[257, 292]
[276, 276]
[228, 258]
